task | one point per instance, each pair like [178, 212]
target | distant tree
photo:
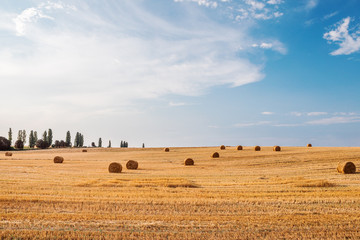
[100, 143]
[122, 144]
[42, 144]
[10, 136]
[50, 137]
[19, 144]
[19, 137]
[23, 136]
[57, 144]
[81, 140]
[93, 144]
[126, 144]
[32, 139]
[63, 144]
[76, 141]
[68, 139]
[4, 144]
[143, 146]
[45, 138]
[35, 136]
[109, 146]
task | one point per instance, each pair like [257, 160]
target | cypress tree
[31, 139]
[19, 137]
[81, 140]
[121, 144]
[143, 146]
[10, 136]
[76, 141]
[50, 137]
[23, 136]
[35, 136]
[100, 143]
[68, 139]
[109, 144]
[45, 138]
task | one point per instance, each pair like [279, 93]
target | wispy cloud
[117, 53]
[250, 124]
[310, 4]
[267, 113]
[348, 40]
[334, 120]
[176, 104]
[316, 113]
[273, 45]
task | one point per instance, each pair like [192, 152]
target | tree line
[47, 141]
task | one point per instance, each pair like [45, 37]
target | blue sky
[183, 72]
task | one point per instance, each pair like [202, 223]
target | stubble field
[292, 194]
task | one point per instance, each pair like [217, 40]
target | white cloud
[273, 45]
[267, 113]
[316, 113]
[206, 3]
[297, 114]
[330, 15]
[275, 1]
[109, 61]
[251, 124]
[334, 120]
[310, 4]
[349, 42]
[176, 104]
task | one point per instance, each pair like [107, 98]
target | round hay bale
[309, 145]
[188, 162]
[239, 147]
[257, 148]
[277, 148]
[215, 155]
[346, 167]
[131, 164]
[222, 147]
[115, 167]
[8, 154]
[58, 159]
[166, 150]
[84, 150]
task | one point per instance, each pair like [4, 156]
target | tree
[19, 144]
[23, 136]
[35, 136]
[93, 144]
[50, 137]
[100, 143]
[45, 138]
[32, 139]
[143, 146]
[4, 144]
[19, 137]
[10, 136]
[122, 144]
[81, 140]
[42, 144]
[68, 139]
[77, 138]
[109, 144]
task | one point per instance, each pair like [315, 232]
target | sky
[183, 72]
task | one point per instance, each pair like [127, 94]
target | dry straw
[346, 167]
[84, 150]
[257, 148]
[8, 154]
[58, 159]
[188, 162]
[215, 155]
[115, 167]
[277, 148]
[309, 145]
[131, 164]
[166, 150]
[239, 147]
[222, 147]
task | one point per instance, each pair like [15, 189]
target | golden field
[293, 194]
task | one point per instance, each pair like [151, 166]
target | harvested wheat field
[293, 194]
